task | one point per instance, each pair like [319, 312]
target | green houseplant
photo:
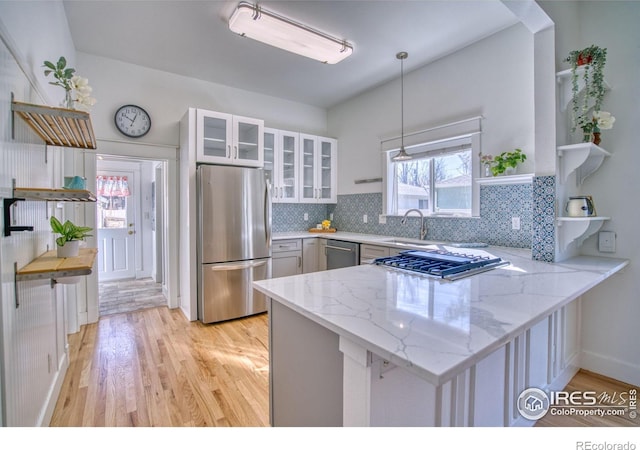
[592, 59]
[506, 160]
[70, 237]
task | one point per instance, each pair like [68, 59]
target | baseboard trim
[54, 392]
[611, 367]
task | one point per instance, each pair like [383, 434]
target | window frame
[429, 149]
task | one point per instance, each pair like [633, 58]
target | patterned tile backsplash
[544, 216]
[498, 204]
[290, 216]
[532, 203]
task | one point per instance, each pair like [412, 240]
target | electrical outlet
[382, 219]
[607, 241]
[515, 223]
[365, 219]
[306, 216]
[330, 216]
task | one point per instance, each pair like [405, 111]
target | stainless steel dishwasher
[342, 254]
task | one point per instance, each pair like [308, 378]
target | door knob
[131, 231]
[130, 224]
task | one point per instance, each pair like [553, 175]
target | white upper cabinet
[281, 155]
[227, 139]
[318, 176]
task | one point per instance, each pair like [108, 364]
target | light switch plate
[607, 241]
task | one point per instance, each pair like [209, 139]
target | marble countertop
[437, 328]
[375, 239]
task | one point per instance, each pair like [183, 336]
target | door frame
[168, 155]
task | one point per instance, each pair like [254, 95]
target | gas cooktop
[441, 263]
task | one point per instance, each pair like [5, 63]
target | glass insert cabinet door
[214, 136]
[326, 168]
[308, 168]
[281, 164]
[318, 169]
[270, 137]
[248, 144]
[288, 166]
[226, 139]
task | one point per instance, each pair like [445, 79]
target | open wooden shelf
[48, 265]
[58, 126]
[54, 195]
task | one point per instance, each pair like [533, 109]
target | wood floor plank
[154, 368]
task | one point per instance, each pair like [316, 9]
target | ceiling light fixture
[257, 23]
[402, 154]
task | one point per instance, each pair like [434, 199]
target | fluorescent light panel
[257, 23]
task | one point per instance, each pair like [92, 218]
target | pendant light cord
[401, 102]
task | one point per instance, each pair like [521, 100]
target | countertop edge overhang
[362, 304]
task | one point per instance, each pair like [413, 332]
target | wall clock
[132, 121]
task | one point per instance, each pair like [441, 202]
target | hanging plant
[592, 59]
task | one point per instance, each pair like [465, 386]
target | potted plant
[507, 162]
[70, 237]
[592, 59]
[600, 120]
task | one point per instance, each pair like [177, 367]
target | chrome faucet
[423, 228]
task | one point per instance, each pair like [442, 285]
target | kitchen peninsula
[374, 346]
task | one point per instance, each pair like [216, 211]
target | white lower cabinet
[484, 394]
[286, 258]
[368, 252]
[310, 255]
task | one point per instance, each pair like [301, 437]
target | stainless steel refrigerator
[234, 248]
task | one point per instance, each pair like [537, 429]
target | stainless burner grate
[441, 263]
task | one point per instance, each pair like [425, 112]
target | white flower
[604, 119]
[83, 92]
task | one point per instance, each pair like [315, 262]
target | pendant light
[402, 154]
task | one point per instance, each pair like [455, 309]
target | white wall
[38, 31]
[492, 78]
[610, 332]
[167, 96]
[34, 332]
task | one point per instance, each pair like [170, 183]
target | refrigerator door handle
[267, 214]
[237, 265]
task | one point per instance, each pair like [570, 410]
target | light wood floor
[154, 368]
[589, 381]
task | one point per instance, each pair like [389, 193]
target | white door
[116, 225]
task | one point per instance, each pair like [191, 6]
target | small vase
[69, 249]
[587, 137]
[510, 171]
[596, 138]
[487, 171]
[68, 101]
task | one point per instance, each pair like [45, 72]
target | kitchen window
[438, 180]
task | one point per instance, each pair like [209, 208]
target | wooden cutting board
[316, 230]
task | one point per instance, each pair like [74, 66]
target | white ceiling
[191, 38]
